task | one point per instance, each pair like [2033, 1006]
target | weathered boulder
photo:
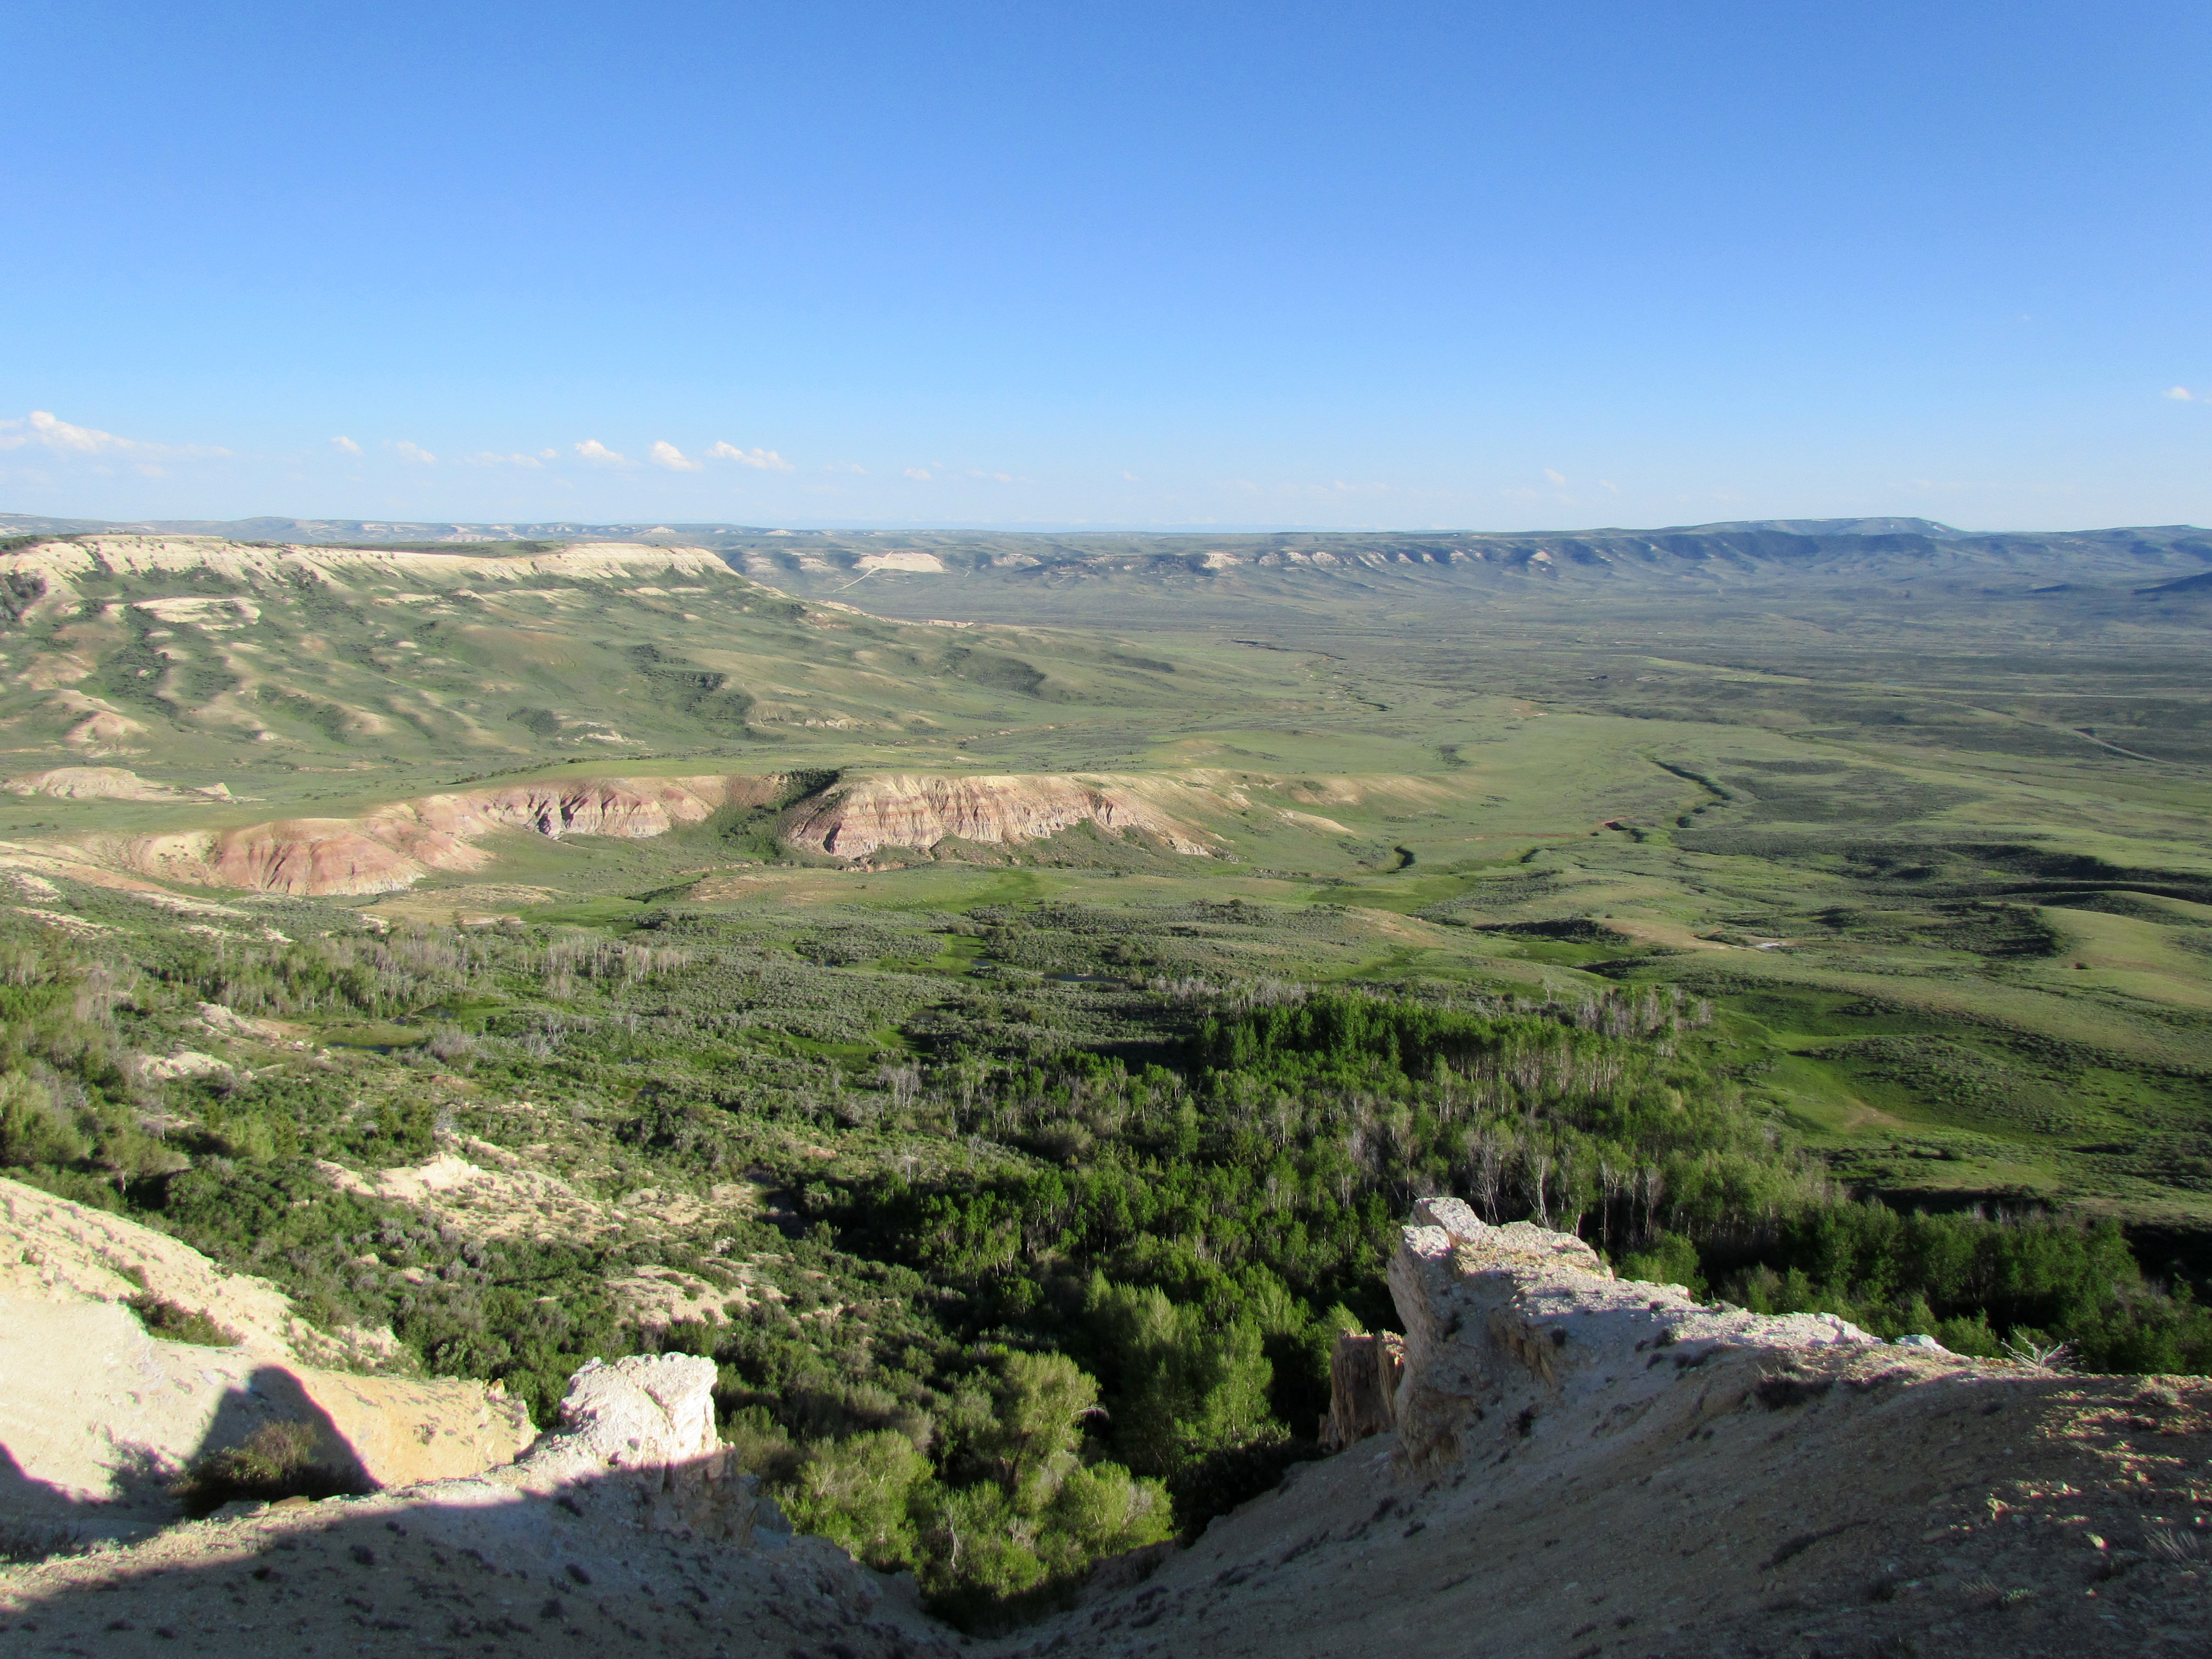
[1508, 1327]
[639, 1434]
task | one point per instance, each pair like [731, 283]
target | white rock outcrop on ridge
[1507, 1326]
[1592, 1468]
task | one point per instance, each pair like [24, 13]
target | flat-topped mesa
[1517, 1331]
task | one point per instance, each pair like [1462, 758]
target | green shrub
[1672, 1259]
[173, 1322]
[277, 1459]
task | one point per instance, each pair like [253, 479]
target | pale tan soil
[381, 1577]
[626, 1527]
[471, 904]
[1916, 1508]
[97, 1416]
[108, 783]
[492, 1192]
[54, 1251]
[35, 861]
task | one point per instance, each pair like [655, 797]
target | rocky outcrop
[855, 818]
[1507, 1325]
[1662, 1479]
[639, 1434]
[1364, 1374]
[106, 783]
[1581, 1466]
[98, 1414]
[394, 848]
[391, 849]
[625, 1528]
[54, 1251]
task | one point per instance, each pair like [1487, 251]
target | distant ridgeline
[905, 568]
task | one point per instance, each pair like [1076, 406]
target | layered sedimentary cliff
[53, 569]
[391, 848]
[855, 819]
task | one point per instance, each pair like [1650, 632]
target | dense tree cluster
[1071, 1287]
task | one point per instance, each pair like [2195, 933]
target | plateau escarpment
[268, 657]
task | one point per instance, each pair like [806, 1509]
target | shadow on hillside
[38, 1517]
[477, 1568]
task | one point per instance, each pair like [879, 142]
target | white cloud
[547, 455]
[845, 466]
[1559, 478]
[918, 472]
[668, 455]
[2181, 394]
[766, 460]
[1129, 478]
[415, 452]
[49, 431]
[489, 458]
[1608, 486]
[593, 450]
[346, 444]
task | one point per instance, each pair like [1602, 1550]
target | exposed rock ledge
[97, 1415]
[393, 846]
[1573, 1465]
[625, 1529]
[1569, 1464]
[1505, 1325]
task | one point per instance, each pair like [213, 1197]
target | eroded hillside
[1550, 1460]
[224, 654]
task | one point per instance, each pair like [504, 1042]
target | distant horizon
[662, 526]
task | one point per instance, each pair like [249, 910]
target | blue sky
[1494, 266]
